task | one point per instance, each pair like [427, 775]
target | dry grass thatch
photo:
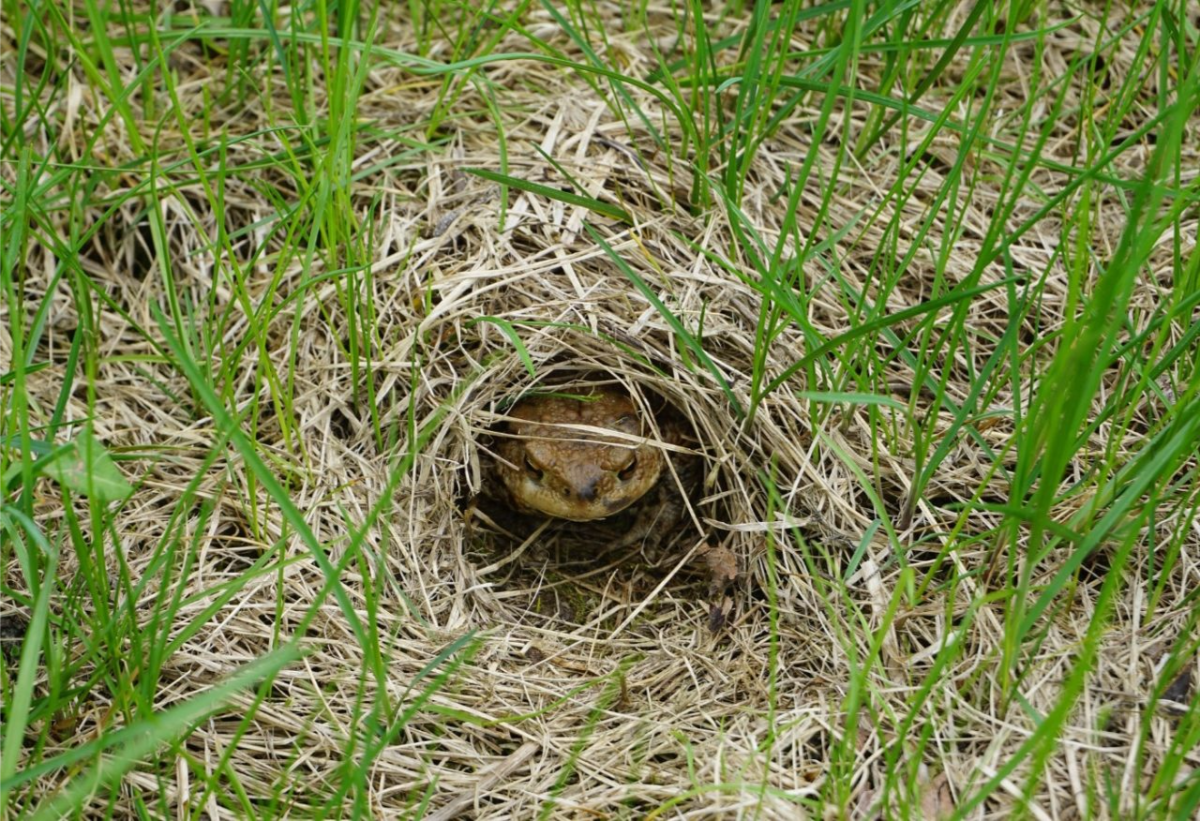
[596, 682]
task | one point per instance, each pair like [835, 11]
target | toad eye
[626, 473]
[533, 470]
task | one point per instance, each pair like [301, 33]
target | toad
[589, 458]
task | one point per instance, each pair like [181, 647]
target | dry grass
[595, 687]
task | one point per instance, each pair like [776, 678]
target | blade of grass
[690, 342]
[254, 462]
[592, 204]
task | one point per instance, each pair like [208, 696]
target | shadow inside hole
[581, 560]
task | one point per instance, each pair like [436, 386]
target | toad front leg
[665, 508]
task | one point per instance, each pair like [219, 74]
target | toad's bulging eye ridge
[533, 470]
[626, 473]
[628, 422]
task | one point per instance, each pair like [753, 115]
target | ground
[936, 341]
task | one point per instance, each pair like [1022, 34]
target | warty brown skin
[560, 461]
[586, 459]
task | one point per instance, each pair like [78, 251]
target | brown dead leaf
[937, 800]
[722, 568]
[722, 572]
[718, 614]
